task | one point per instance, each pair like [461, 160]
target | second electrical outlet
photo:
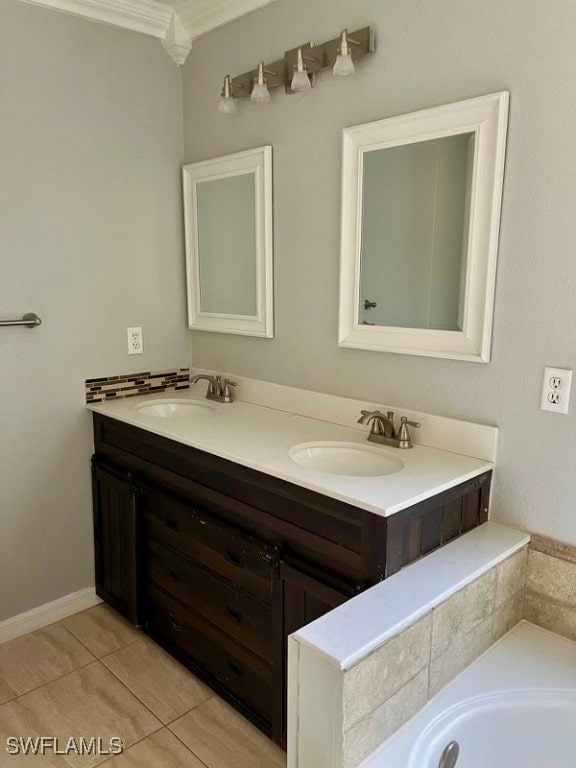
[556, 390]
[135, 341]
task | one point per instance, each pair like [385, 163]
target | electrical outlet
[556, 390]
[135, 341]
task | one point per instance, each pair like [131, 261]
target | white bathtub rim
[455, 714]
[527, 632]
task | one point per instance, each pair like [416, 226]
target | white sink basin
[346, 459]
[171, 409]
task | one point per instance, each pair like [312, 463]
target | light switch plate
[556, 390]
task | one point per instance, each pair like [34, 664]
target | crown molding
[177, 41]
[202, 16]
[145, 16]
[175, 26]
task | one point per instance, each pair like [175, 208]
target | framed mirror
[228, 227]
[421, 199]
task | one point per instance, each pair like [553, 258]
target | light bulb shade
[260, 93]
[344, 65]
[226, 105]
[301, 82]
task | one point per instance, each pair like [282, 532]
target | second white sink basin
[346, 459]
[171, 409]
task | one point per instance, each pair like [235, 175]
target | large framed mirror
[421, 199]
[228, 227]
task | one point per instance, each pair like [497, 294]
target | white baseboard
[46, 614]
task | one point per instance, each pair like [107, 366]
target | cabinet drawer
[240, 616]
[225, 550]
[244, 675]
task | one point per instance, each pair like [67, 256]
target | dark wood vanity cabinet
[116, 539]
[220, 563]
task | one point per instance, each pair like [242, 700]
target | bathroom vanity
[219, 559]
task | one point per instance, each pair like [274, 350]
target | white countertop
[260, 438]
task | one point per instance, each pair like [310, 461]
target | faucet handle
[226, 393]
[404, 440]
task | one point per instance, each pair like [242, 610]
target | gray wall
[90, 239]
[429, 53]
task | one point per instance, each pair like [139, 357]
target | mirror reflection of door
[415, 234]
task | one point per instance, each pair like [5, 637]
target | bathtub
[515, 707]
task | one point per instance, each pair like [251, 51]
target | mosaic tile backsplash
[134, 384]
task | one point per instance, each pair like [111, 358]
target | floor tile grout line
[212, 696]
[144, 703]
[186, 745]
[49, 682]
[131, 692]
[123, 647]
[138, 741]
[108, 653]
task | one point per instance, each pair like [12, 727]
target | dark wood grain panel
[452, 520]
[205, 647]
[217, 600]
[241, 559]
[116, 540]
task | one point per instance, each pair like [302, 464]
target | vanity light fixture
[226, 105]
[298, 68]
[344, 66]
[301, 79]
[260, 93]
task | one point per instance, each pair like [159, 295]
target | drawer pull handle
[172, 525]
[176, 625]
[234, 558]
[234, 614]
[236, 669]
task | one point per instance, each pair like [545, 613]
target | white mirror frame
[259, 162]
[487, 118]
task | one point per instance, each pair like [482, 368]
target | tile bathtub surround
[384, 690]
[364, 697]
[133, 384]
[551, 587]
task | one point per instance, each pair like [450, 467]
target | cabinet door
[305, 595]
[115, 539]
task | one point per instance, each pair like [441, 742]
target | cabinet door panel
[306, 594]
[116, 540]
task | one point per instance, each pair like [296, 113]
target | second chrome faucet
[382, 429]
[219, 390]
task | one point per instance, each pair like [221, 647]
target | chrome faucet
[218, 389]
[382, 429]
[449, 757]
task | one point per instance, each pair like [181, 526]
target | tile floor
[95, 675]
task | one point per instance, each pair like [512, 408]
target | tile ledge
[344, 637]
